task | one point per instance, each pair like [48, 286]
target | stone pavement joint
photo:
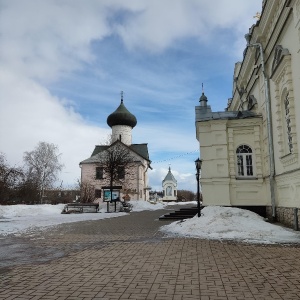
[129, 258]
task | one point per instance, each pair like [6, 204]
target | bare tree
[10, 180]
[28, 191]
[43, 165]
[185, 195]
[87, 192]
[115, 162]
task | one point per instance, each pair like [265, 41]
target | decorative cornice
[289, 159]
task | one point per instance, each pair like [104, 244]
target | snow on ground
[28, 218]
[228, 223]
[140, 205]
[15, 219]
[217, 223]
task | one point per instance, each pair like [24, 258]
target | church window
[121, 172]
[97, 193]
[99, 173]
[169, 191]
[244, 161]
[289, 137]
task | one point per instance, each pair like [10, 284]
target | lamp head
[198, 163]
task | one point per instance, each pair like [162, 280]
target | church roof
[140, 149]
[170, 176]
[205, 114]
[121, 116]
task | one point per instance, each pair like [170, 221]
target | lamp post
[198, 163]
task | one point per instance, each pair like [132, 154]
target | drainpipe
[269, 123]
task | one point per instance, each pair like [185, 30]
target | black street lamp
[198, 163]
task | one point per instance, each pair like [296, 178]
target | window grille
[288, 123]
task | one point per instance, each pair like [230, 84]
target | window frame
[244, 162]
[99, 173]
[121, 172]
[98, 193]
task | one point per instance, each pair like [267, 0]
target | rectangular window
[97, 193]
[240, 165]
[121, 172]
[249, 166]
[99, 173]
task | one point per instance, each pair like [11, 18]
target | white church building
[132, 183]
[250, 151]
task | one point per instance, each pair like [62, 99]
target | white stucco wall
[125, 132]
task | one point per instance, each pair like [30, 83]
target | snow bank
[228, 223]
[15, 211]
[141, 205]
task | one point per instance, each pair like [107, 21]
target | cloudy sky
[63, 64]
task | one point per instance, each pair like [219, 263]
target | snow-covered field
[17, 219]
[218, 223]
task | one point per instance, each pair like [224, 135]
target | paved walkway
[128, 258]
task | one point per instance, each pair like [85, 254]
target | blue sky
[64, 63]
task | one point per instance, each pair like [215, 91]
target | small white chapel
[169, 185]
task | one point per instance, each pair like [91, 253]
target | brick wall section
[134, 183]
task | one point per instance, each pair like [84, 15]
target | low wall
[288, 216]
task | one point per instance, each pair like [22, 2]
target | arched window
[244, 161]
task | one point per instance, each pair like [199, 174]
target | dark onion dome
[121, 116]
[203, 98]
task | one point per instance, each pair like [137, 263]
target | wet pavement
[129, 258]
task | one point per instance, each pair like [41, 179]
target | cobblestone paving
[128, 258]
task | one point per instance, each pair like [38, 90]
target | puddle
[14, 251]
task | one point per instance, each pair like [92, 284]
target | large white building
[129, 184]
[250, 150]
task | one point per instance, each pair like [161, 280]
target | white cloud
[159, 24]
[49, 37]
[31, 114]
[43, 41]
